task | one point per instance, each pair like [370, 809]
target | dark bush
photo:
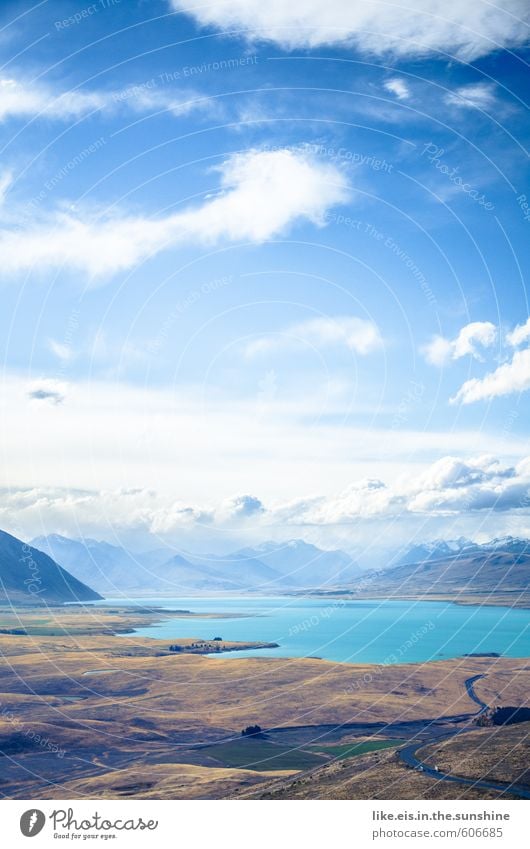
[252, 731]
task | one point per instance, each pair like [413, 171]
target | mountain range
[29, 577]
[460, 547]
[501, 566]
[55, 569]
[270, 567]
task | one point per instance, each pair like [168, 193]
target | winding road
[408, 755]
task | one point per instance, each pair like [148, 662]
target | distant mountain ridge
[269, 567]
[304, 564]
[29, 576]
[500, 566]
[438, 549]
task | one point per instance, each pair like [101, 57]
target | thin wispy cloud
[356, 334]
[62, 351]
[261, 194]
[25, 99]
[474, 96]
[6, 180]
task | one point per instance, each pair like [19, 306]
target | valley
[112, 715]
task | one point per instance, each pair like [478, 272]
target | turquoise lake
[348, 631]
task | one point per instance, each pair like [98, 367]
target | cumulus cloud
[239, 507]
[452, 486]
[398, 87]
[510, 377]
[22, 99]
[357, 334]
[47, 390]
[407, 28]
[473, 96]
[231, 511]
[483, 483]
[261, 194]
[474, 335]
[506, 379]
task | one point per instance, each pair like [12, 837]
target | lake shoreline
[345, 630]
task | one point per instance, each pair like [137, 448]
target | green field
[262, 756]
[350, 750]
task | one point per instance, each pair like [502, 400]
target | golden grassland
[500, 753]
[163, 781]
[82, 712]
[376, 776]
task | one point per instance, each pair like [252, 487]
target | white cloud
[409, 27]
[398, 87]
[47, 390]
[474, 96]
[110, 435]
[510, 377]
[438, 351]
[519, 334]
[483, 483]
[478, 333]
[506, 379]
[450, 487]
[357, 334]
[482, 333]
[239, 507]
[261, 194]
[21, 99]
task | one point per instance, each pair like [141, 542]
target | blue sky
[263, 274]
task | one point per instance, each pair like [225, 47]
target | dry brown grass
[499, 754]
[164, 781]
[376, 776]
[147, 706]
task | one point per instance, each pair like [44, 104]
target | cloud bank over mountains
[447, 488]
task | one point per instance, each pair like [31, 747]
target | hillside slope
[481, 571]
[28, 576]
